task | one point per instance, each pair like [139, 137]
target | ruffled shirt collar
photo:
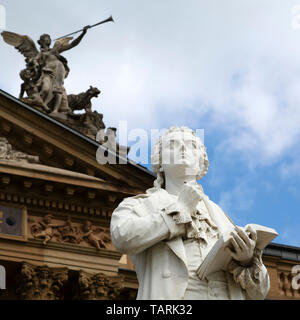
[202, 226]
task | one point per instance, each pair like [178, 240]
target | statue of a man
[168, 231]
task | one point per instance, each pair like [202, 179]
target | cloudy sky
[230, 67]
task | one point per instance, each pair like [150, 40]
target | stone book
[218, 258]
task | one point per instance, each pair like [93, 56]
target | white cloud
[237, 200]
[170, 62]
[231, 67]
[290, 170]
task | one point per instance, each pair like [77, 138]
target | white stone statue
[168, 231]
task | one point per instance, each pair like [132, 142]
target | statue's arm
[22, 91]
[134, 229]
[74, 43]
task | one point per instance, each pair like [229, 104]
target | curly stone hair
[156, 157]
[42, 37]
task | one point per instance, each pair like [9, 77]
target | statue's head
[44, 272]
[5, 146]
[87, 225]
[48, 218]
[45, 40]
[93, 92]
[179, 153]
[25, 74]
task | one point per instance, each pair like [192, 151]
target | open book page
[218, 259]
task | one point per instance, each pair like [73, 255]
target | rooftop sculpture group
[44, 76]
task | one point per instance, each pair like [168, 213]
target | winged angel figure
[45, 69]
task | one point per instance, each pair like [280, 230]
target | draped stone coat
[141, 228]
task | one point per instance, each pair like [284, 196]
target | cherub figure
[46, 230]
[31, 89]
[98, 237]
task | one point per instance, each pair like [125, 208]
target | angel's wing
[60, 43]
[23, 44]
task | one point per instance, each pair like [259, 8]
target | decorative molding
[48, 151]
[66, 141]
[64, 206]
[69, 161]
[27, 184]
[28, 139]
[71, 248]
[5, 180]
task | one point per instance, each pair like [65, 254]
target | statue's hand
[189, 196]
[85, 29]
[243, 245]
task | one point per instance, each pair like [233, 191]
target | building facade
[56, 201]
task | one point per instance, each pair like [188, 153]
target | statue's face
[181, 155]
[87, 226]
[45, 40]
[27, 74]
[47, 220]
[44, 273]
[3, 149]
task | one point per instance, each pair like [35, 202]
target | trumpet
[88, 27]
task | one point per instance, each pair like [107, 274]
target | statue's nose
[183, 148]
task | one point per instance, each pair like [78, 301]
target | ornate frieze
[47, 229]
[59, 205]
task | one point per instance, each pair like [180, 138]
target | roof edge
[73, 131]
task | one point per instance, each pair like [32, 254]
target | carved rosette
[41, 282]
[99, 286]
